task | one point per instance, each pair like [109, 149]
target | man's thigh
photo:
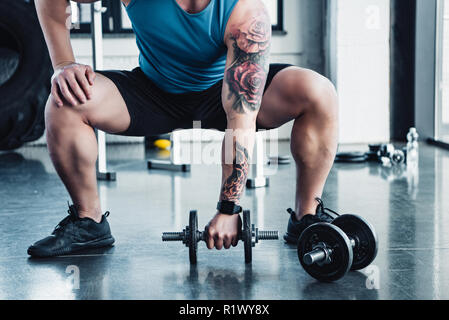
[290, 93]
[147, 109]
[106, 110]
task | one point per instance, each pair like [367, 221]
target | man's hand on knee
[73, 83]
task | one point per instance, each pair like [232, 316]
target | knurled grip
[173, 236]
[268, 235]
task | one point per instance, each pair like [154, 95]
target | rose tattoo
[247, 75]
[255, 37]
[246, 80]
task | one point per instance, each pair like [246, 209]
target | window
[276, 10]
[442, 73]
[115, 18]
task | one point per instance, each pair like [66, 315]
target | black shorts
[154, 111]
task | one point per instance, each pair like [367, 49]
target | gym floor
[408, 209]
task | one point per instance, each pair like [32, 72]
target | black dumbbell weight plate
[334, 238]
[192, 236]
[364, 235]
[247, 236]
[351, 157]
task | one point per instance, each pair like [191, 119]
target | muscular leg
[73, 146]
[311, 100]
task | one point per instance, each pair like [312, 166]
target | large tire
[25, 73]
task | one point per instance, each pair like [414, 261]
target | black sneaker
[74, 234]
[295, 227]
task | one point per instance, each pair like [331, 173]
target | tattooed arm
[248, 37]
[248, 40]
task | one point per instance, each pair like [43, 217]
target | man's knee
[59, 117]
[323, 98]
[311, 92]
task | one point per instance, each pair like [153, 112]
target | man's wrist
[63, 64]
[228, 207]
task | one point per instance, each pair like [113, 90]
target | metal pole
[175, 154]
[97, 57]
[258, 179]
[260, 155]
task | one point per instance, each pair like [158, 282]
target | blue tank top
[181, 52]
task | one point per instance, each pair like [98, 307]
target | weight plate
[247, 236]
[365, 237]
[351, 157]
[374, 147]
[193, 241]
[398, 157]
[335, 239]
[279, 160]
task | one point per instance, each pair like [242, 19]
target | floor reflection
[408, 208]
[361, 288]
[220, 284]
[76, 277]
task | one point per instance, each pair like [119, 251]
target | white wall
[442, 72]
[360, 66]
[303, 43]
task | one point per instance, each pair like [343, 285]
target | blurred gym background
[389, 60]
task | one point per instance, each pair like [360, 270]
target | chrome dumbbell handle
[181, 236]
[268, 235]
[173, 236]
[315, 256]
[321, 254]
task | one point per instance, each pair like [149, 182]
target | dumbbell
[389, 154]
[327, 251]
[377, 153]
[190, 236]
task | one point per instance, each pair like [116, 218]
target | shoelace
[319, 210]
[73, 216]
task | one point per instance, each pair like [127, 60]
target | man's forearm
[235, 174]
[244, 83]
[237, 149]
[54, 18]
